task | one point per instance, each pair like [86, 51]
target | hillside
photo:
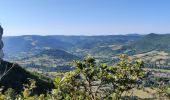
[23, 46]
[57, 54]
[49, 60]
[18, 76]
[159, 42]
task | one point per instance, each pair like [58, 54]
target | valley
[54, 57]
[56, 53]
[84, 50]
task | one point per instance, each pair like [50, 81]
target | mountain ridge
[15, 46]
[152, 42]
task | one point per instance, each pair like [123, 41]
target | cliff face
[1, 43]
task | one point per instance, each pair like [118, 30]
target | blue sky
[84, 17]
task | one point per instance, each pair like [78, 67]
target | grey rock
[1, 43]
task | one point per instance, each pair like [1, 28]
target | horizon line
[84, 35]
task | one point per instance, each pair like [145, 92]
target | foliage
[90, 81]
[163, 91]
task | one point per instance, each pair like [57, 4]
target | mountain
[158, 42]
[21, 46]
[18, 76]
[16, 45]
[57, 54]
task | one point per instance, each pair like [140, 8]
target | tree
[92, 81]
[89, 81]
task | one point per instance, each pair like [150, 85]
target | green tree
[89, 81]
[93, 81]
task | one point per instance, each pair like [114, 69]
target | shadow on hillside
[18, 76]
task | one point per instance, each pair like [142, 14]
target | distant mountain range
[33, 44]
[55, 53]
[30, 45]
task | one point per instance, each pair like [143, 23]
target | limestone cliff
[1, 43]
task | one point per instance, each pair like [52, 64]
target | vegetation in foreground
[13, 76]
[91, 81]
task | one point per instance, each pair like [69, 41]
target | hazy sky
[84, 17]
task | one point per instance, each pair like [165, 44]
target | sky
[84, 17]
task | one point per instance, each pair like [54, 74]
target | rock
[1, 43]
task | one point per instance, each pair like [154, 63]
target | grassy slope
[153, 42]
[18, 76]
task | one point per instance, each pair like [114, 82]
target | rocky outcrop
[1, 43]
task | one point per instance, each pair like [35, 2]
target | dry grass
[142, 93]
[152, 56]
